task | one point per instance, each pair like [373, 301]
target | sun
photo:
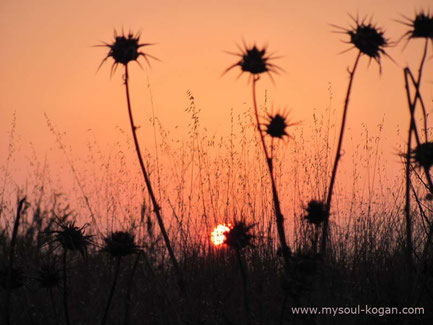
[218, 236]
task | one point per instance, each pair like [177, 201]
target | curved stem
[110, 296]
[337, 157]
[156, 207]
[278, 214]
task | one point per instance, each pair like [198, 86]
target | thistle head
[422, 155]
[368, 39]
[120, 243]
[317, 212]
[48, 275]
[124, 49]
[71, 237]
[254, 61]
[277, 124]
[421, 26]
[16, 279]
[239, 237]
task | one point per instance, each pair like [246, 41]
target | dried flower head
[255, 61]
[238, 237]
[120, 243]
[277, 124]
[125, 49]
[16, 279]
[422, 155]
[48, 275]
[71, 237]
[367, 38]
[421, 26]
[317, 212]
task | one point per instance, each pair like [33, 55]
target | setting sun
[218, 234]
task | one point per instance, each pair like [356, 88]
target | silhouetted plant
[70, 238]
[118, 244]
[421, 27]
[124, 50]
[238, 238]
[48, 276]
[256, 62]
[370, 41]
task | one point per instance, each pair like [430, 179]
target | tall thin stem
[243, 271]
[337, 157]
[113, 287]
[278, 214]
[65, 288]
[156, 207]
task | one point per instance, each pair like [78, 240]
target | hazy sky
[48, 65]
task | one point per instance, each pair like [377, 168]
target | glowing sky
[48, 65]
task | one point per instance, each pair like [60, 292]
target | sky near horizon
[48, 66]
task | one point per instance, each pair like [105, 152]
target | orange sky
[48, 65]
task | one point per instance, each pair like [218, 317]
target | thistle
[48, 276]
[124, 50]
[421, 26]
[277, 124]
[256, 62]
[120, 243]
[238, 237]
[71, 237]
[317, 212]
[422, 155]
[370, 41]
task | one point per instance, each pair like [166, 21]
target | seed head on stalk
[254, 61]
[367, 38]
[420, 27]
[124, 49]
[120, 243]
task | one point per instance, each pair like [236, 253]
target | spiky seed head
[255, 61]
[120, 243]
[238, 237]
[72, 238]
[16, 279]
[48, 276]
[368, 39]
[421, 26]
[422, 155]
[125, 49]
[317, 212]
[277, 124]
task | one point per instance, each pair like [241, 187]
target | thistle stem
[65, 289]
[156, 207]
[278, 214]
[337, 157]
[113, 287]
[129, 289]
[243, 272]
